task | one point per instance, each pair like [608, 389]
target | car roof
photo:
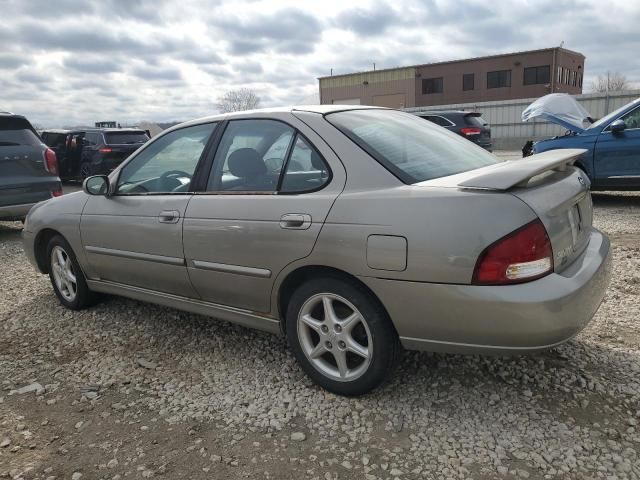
[447, 112]
[54, 130]
[321, 109]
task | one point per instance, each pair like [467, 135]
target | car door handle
[295, 221]
[169, 216]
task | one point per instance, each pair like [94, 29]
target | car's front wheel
[66, 276]
[341, 335]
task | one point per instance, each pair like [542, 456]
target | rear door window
[125, 138]
[15, 132]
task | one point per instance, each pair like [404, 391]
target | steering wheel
[173, 174]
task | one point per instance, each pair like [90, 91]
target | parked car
[469, 125]
[356, 231]
[91, 151]
[612, 144]
[28, 168]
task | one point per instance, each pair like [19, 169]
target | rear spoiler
[506, 175]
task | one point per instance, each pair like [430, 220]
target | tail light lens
[57, 192]
[470, 131]
[105, 150]
[50, 161]
[521, 256]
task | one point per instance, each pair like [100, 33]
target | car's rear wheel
[66, 276]
[341, 335]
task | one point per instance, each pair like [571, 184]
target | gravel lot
[131, 390]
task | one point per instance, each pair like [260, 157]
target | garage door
[347, 101]
[394, 100]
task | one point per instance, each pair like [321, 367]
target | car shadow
[616, 199]
[10, 231]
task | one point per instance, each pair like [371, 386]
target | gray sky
[69, 62]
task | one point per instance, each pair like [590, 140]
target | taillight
[105, 150]
[50, 161]
[57, 192]
[523, 255]
[470, 131]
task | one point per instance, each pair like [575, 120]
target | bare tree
[611, 82]
[237, 100]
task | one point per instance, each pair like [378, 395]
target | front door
[268, 194]
[134, 237]
[617, 155]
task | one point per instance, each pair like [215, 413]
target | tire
[62, 262]
[85, 170]
[359, 324]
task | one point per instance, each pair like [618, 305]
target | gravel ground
[131, 390]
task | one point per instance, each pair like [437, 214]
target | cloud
[156, 73]
[12, 60]
[371, 21]
[92, 65]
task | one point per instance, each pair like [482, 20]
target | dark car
[93, 151]
[470, 125]
[28, 168]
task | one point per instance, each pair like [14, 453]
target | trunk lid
[561, 109]
[557, 192]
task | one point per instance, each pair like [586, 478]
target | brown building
[498, 77]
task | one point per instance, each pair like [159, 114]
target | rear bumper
[15, 212]
[499, 319]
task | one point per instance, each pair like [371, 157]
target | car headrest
[246, 163]
[317, 162]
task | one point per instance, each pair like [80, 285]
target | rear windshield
[475, 120]
[123, 138]
[17, 131]
[410, 148]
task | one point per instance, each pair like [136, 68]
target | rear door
[118, 145]
[134, 237]
[23, 177]
[270, 189]
[617, 155]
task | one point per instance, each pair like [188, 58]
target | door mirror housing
[617, 126]
[96, 185]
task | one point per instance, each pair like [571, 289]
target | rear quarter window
[16, 132]
[410, 148]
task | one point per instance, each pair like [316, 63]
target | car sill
[238, 316]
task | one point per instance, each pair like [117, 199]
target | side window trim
[287, 157]
[326, 164]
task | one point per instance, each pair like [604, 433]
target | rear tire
[350, 350]
[66, 276]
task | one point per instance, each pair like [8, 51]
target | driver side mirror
[617, 126]
[96, 185]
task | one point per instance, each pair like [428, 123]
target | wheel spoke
[318, 350]
[356, 348]
[60, 258]
[329, 313]
[341, 362]
[70, 276]
[351, 321]
[311, 322]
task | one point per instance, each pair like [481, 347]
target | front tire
[66, 276]
[341, 336]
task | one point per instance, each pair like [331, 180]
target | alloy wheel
[335, 337]
[63, 274]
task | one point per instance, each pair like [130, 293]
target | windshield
[123, 138]
[607, 118]
[410, 148]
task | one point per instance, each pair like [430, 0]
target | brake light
[521, 256]
[105, 150]
[56, 192]
[470, 131]
[50, 161]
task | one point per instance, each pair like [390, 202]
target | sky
[72, 62]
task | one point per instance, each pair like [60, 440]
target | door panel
[127, 242]
[617, 155]
[237, 242]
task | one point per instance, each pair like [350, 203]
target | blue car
[612, 161]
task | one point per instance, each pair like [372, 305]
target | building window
[499, 78]
[574, 79]
[537, 75]
[559, 75]
[579, 80]
[432, 85]
[565, 76]
[467, 81]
